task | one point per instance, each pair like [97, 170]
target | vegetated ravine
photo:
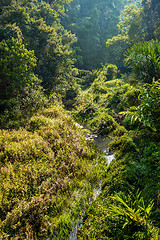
[100, 59]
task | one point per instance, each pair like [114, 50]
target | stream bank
[102, 143]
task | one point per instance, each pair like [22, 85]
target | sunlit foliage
[147, 113]
[17, 64]
[49, 165]
[144, 60]
[47, 174]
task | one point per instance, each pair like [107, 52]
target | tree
[148, 23]
[38, 24]
[16, 64]
[93, 21]
[136, 24]
[127, 33]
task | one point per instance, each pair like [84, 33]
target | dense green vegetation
[94, 22]
[136, 25]
[128, 207]
[101, 61]
[48, 172]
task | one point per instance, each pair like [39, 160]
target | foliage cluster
[48, 172]
[48, 169]
[104, 99]
[144, 60]
[36, 24]
[148, 111]
[36, 58]
[121, 212]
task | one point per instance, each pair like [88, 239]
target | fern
[148, 112]
[144, 59]
[134, 213]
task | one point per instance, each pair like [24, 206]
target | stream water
[102, 143]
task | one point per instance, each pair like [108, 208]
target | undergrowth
[48, 172]
[129, 205]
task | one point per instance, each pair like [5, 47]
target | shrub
[111, 72]
[147, 113]
[17, 73]
[103, 123]
[134, 214]
[122, 145]
[119, 131]
[131, 97]
[23, 146]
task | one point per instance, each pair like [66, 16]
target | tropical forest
[79, 119]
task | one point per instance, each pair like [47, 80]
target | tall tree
[16, 64]
[93, 22]
[151, 14]
[136, 25]
[38, 24]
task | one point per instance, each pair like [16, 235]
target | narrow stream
[102, 143]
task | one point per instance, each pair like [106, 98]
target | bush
[17, 111]
[111, 72]
[103, 123]
[17, 73]
[147, 113]
[120, 130]
[23, 146]
[122, 145]
[131, 97]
